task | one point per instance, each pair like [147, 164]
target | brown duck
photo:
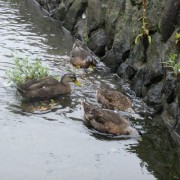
[108, 121]
[46, 88]
[81, 56]
[113, 100]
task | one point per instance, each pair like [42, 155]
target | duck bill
[77, 83]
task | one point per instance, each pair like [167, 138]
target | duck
[108, 121]
[81, 56]
[114, 100]
[47, 87]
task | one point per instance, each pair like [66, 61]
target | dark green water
[55, 144]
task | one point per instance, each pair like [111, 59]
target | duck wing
[103, 116]
[109, 95]
[79, 52]
[38, 83]
[113, 99]
[106, 116]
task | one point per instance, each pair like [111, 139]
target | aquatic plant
[25, 70]
[172, 64]
[144, 32]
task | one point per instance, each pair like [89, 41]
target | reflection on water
[49, 138]
[158, 152]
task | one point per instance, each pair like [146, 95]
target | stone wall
[110, 27]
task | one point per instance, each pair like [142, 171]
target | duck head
[67, 78]
[91, 60]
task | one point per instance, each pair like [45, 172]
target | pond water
[53, 143]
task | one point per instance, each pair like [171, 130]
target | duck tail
[97, 93]
[87, 107]
[21, 91]
[134, 132]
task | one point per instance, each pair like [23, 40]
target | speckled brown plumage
[46, 88]
[81, 56]
[113, 100]
[107, 121]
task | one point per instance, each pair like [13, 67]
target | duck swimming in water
[46, 88]
[114, 100]
[81, 56]
[108, 121]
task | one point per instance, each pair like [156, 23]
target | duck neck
[66, 85]
[64, 82]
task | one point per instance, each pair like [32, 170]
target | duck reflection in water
[46, 105]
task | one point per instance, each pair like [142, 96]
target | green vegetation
[177, 38]
[144, 33]
[25, 70]
[174, 67]
[172, 64]
[85, 38]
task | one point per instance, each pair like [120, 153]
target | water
[55, 144]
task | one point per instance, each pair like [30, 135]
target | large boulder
[97, 42]
[154, 96]
[169, 19]
[74, 12]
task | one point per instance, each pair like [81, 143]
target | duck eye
[73, 78]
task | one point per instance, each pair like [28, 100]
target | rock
[112, 18]
[97, 42]
[59, 12]
[154, 14]
[126, 71]
[155, 71]
[137, 83]
[80, 30]
[169, 19]
[172, 109]
[169, 88]
[96, 26]
[136, 2]
[74, 12]
[153, 97]
[122, 37]
[96, 15]
[110, 59]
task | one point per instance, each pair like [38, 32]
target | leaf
[149, 39]
[138, 37]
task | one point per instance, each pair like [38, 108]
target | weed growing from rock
[172, 64]
[174, 67]
[177, 38]
[144, 33]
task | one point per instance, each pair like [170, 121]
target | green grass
[172, 63]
